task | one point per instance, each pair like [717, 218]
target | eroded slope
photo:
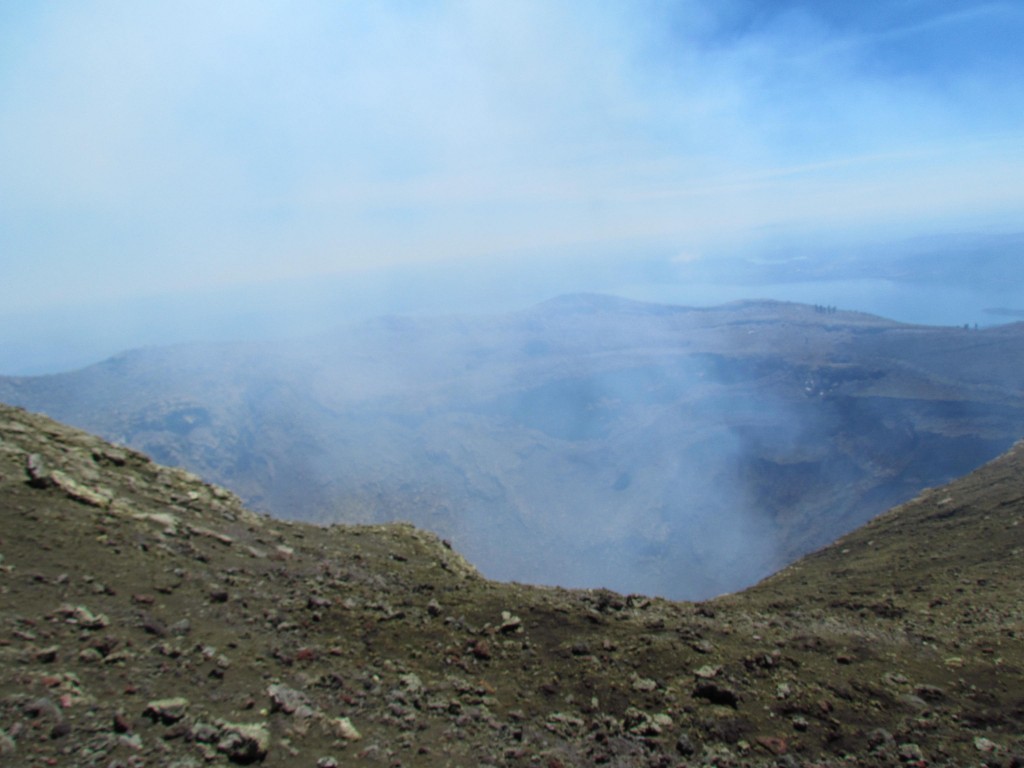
[147, 618]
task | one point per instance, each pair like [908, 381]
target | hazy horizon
[951, 282]
[193, 171]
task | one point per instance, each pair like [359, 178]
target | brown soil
[146, 618]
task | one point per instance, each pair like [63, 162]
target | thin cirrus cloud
[152, 147]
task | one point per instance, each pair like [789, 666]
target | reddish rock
[481, 649]
[773, 744]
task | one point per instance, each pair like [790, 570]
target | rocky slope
[588, 441]
[147, 618]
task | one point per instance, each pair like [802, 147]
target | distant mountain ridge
[588, 441]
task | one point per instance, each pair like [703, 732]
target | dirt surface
[146, 618]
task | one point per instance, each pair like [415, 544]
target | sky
[175, 170]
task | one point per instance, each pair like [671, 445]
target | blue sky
[152, 150]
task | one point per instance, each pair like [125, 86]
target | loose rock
[166, 711]
[285, 699]
[244, 743]
[343, 728]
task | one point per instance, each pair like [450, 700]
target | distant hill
[147, 618]
[588, 441]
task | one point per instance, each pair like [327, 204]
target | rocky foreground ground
[146, 618]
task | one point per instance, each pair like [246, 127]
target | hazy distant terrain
[589, 441]
[951, 279]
